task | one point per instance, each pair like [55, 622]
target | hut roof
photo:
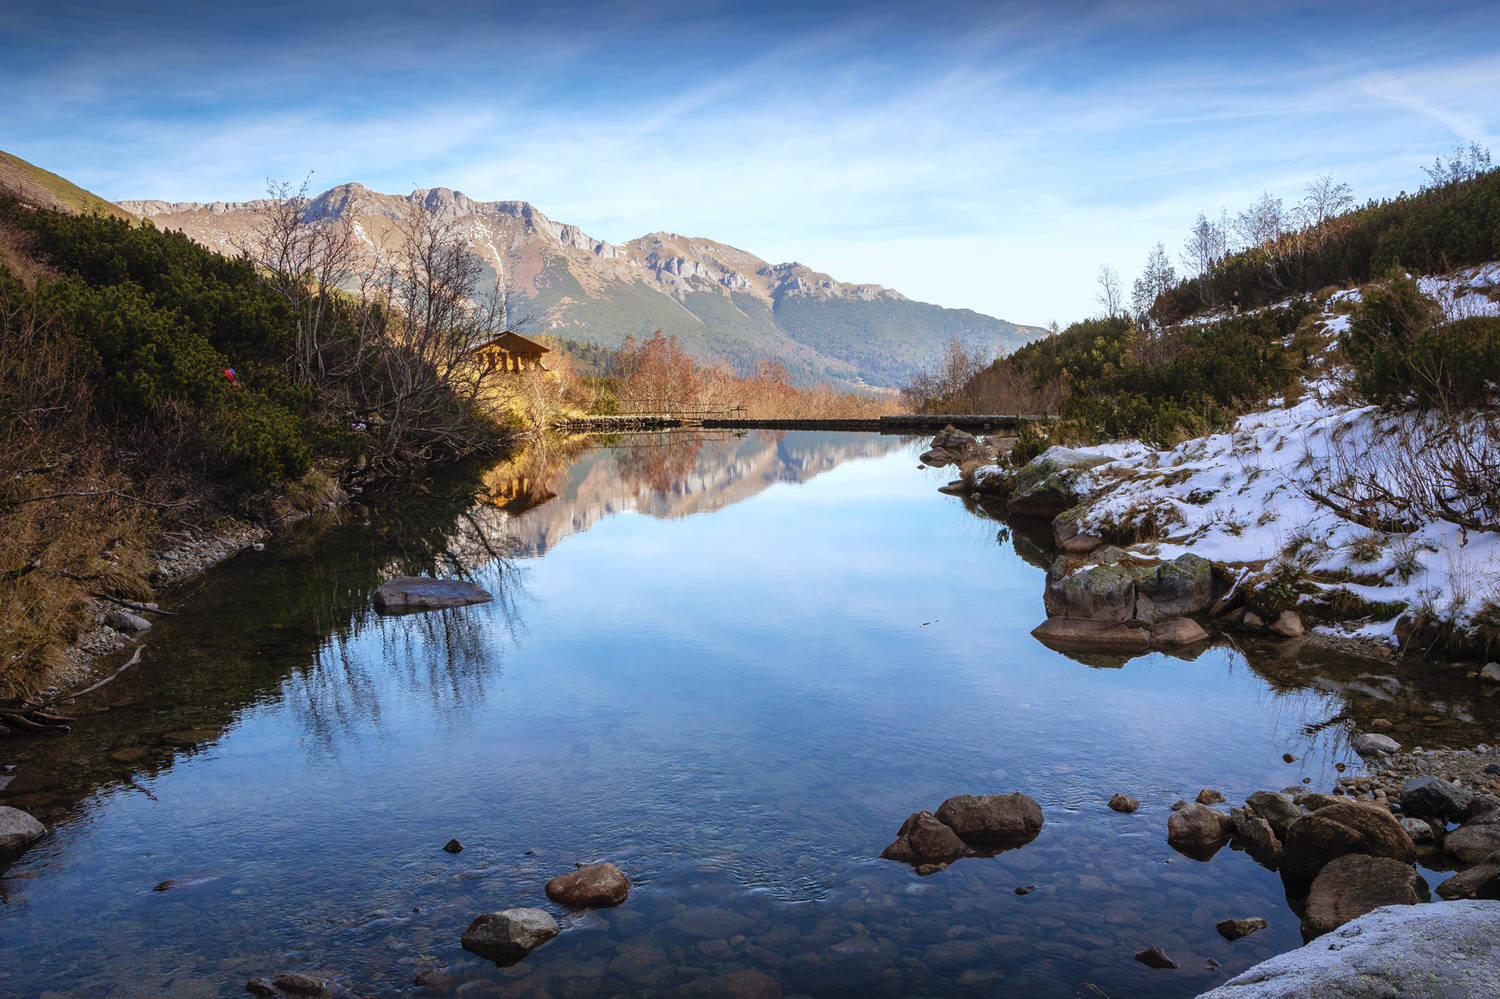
[513, 342]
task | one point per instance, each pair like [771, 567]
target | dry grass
[66, 527]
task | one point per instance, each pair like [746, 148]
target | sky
[990, 156]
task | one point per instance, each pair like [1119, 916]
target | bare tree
[1263, 222]
[309, 262]
[1322, 200]
[429, 386]
[1109, 294]
[1464, 163]
[1157, 279]
[1207, 243]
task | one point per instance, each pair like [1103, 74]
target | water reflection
[736, 695]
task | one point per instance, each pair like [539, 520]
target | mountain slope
[42, 189]
[721, 302]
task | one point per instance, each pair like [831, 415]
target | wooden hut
[510, 352]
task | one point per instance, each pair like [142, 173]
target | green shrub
[1404, 353]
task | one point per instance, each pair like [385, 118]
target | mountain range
[722, 303]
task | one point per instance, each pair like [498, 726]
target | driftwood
[89, 689]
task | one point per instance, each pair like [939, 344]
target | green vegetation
[1404, 352]
[40, 187]
[1450, 225]
[1113, 379]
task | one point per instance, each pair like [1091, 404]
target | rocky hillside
[721, 302]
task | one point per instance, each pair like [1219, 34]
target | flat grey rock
[410, 594]
[17, 830]
[1445, 950]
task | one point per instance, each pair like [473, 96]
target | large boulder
[1329, 833]
[1476, 839]
[1048, 484]
[1255, 835]
[1278, 809]
[18, 830]
[1354, 884]
[1101, 593]
[992, 820]
[597, 886]
[1434, 798]
[509, 935]
[1067, 634]
[954, 446]
[925, 841]
[1173, 589]
[1441, 951]
[1198, 831]
[409, 594]
[1480, 881]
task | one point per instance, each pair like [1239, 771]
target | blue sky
[989, 156]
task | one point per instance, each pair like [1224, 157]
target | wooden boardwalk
[908, 424]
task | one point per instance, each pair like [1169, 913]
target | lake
[732, 665]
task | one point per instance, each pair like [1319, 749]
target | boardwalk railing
[910, 423]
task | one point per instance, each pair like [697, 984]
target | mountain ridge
[722, 302]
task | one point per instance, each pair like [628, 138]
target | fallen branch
[95, 492]
[132, 605]
[90, 689]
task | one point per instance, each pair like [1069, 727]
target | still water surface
[731, 666]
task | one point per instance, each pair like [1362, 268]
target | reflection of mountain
[661, 475]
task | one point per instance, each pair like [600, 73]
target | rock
[453, 846]
[1433, 797]
[1354, 884]
[1317, 799]
[1278, 809]
[1177, 631]
[1100, 593]
[1155, 957]
[1198, 831]
[299, 984]
[1208, 796]
[1073, 635]
[746, 984]
[952, 446]
[260, 987]
[1256, 836]
[1288, 758]
[1068, 534]
[123, 620]
[1415, 952]
[1025, 889]
[409, 594]
[1491, 672]
[1493, 769]
[992, 820]
[1481, 881]
[18, 830]
[1253, 621]
[1374, 744]
[1476, 839]
[1288, 623]
[1123, 803]
[1174, 589]
[1234, 929]
[507, 936]
[1329, 833]
[1417, 829]
[922, 839]
[597, 886]
[1047, 485]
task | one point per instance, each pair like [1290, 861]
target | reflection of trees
[293, 621]
[660, 462]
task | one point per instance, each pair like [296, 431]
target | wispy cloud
[992, 158]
